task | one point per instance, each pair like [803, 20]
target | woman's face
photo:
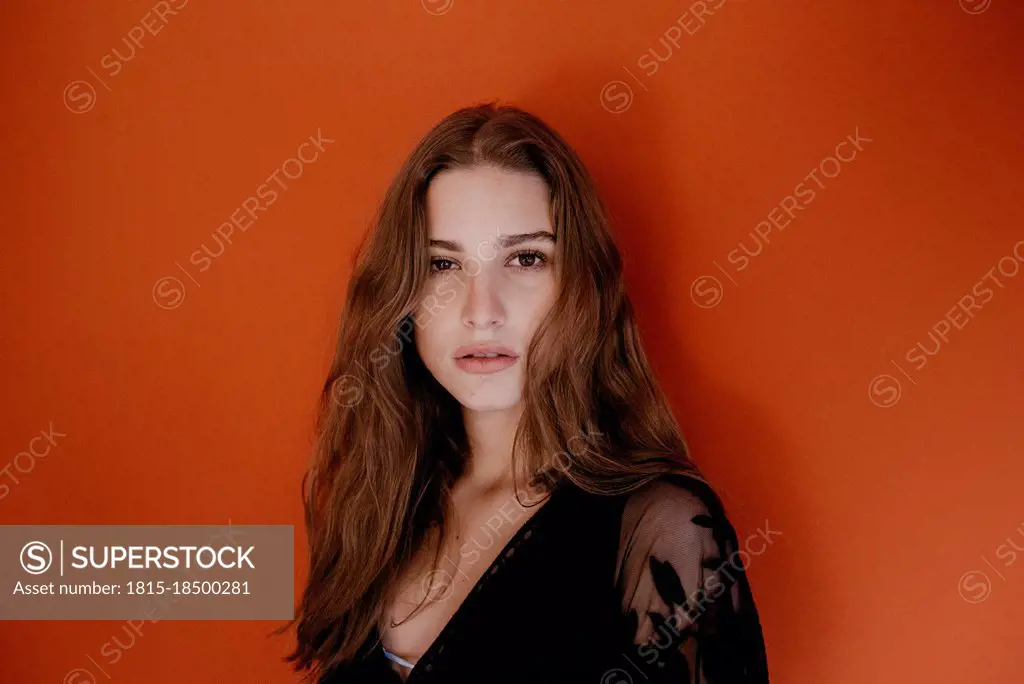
[492, 280]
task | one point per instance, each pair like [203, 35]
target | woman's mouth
[484, 360]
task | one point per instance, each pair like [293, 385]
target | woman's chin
[489, 400]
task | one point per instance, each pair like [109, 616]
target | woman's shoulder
[676, 524]
[666, 508]
[674, 504]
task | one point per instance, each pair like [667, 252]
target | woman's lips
[494, 364]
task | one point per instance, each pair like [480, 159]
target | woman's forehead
[471, 204]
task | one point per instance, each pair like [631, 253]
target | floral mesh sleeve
[684, 591]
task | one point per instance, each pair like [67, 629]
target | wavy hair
[390, 441]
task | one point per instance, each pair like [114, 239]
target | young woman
[500, 492]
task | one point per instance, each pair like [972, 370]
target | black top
[638, 588]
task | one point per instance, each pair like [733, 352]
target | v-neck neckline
[521, 535]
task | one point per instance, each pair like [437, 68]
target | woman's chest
[548, 612]
[432, 591]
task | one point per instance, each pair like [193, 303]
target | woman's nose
[482, 307]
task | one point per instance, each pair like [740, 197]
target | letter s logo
[36, 558]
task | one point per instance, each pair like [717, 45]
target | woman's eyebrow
[503, 240]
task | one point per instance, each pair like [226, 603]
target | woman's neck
[490, 435]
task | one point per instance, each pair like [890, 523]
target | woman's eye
[439, 265]
[530, 260]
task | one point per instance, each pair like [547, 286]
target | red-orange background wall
[894, 485]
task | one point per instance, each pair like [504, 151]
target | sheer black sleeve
[684, 590]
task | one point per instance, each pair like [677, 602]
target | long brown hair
[390, 441]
